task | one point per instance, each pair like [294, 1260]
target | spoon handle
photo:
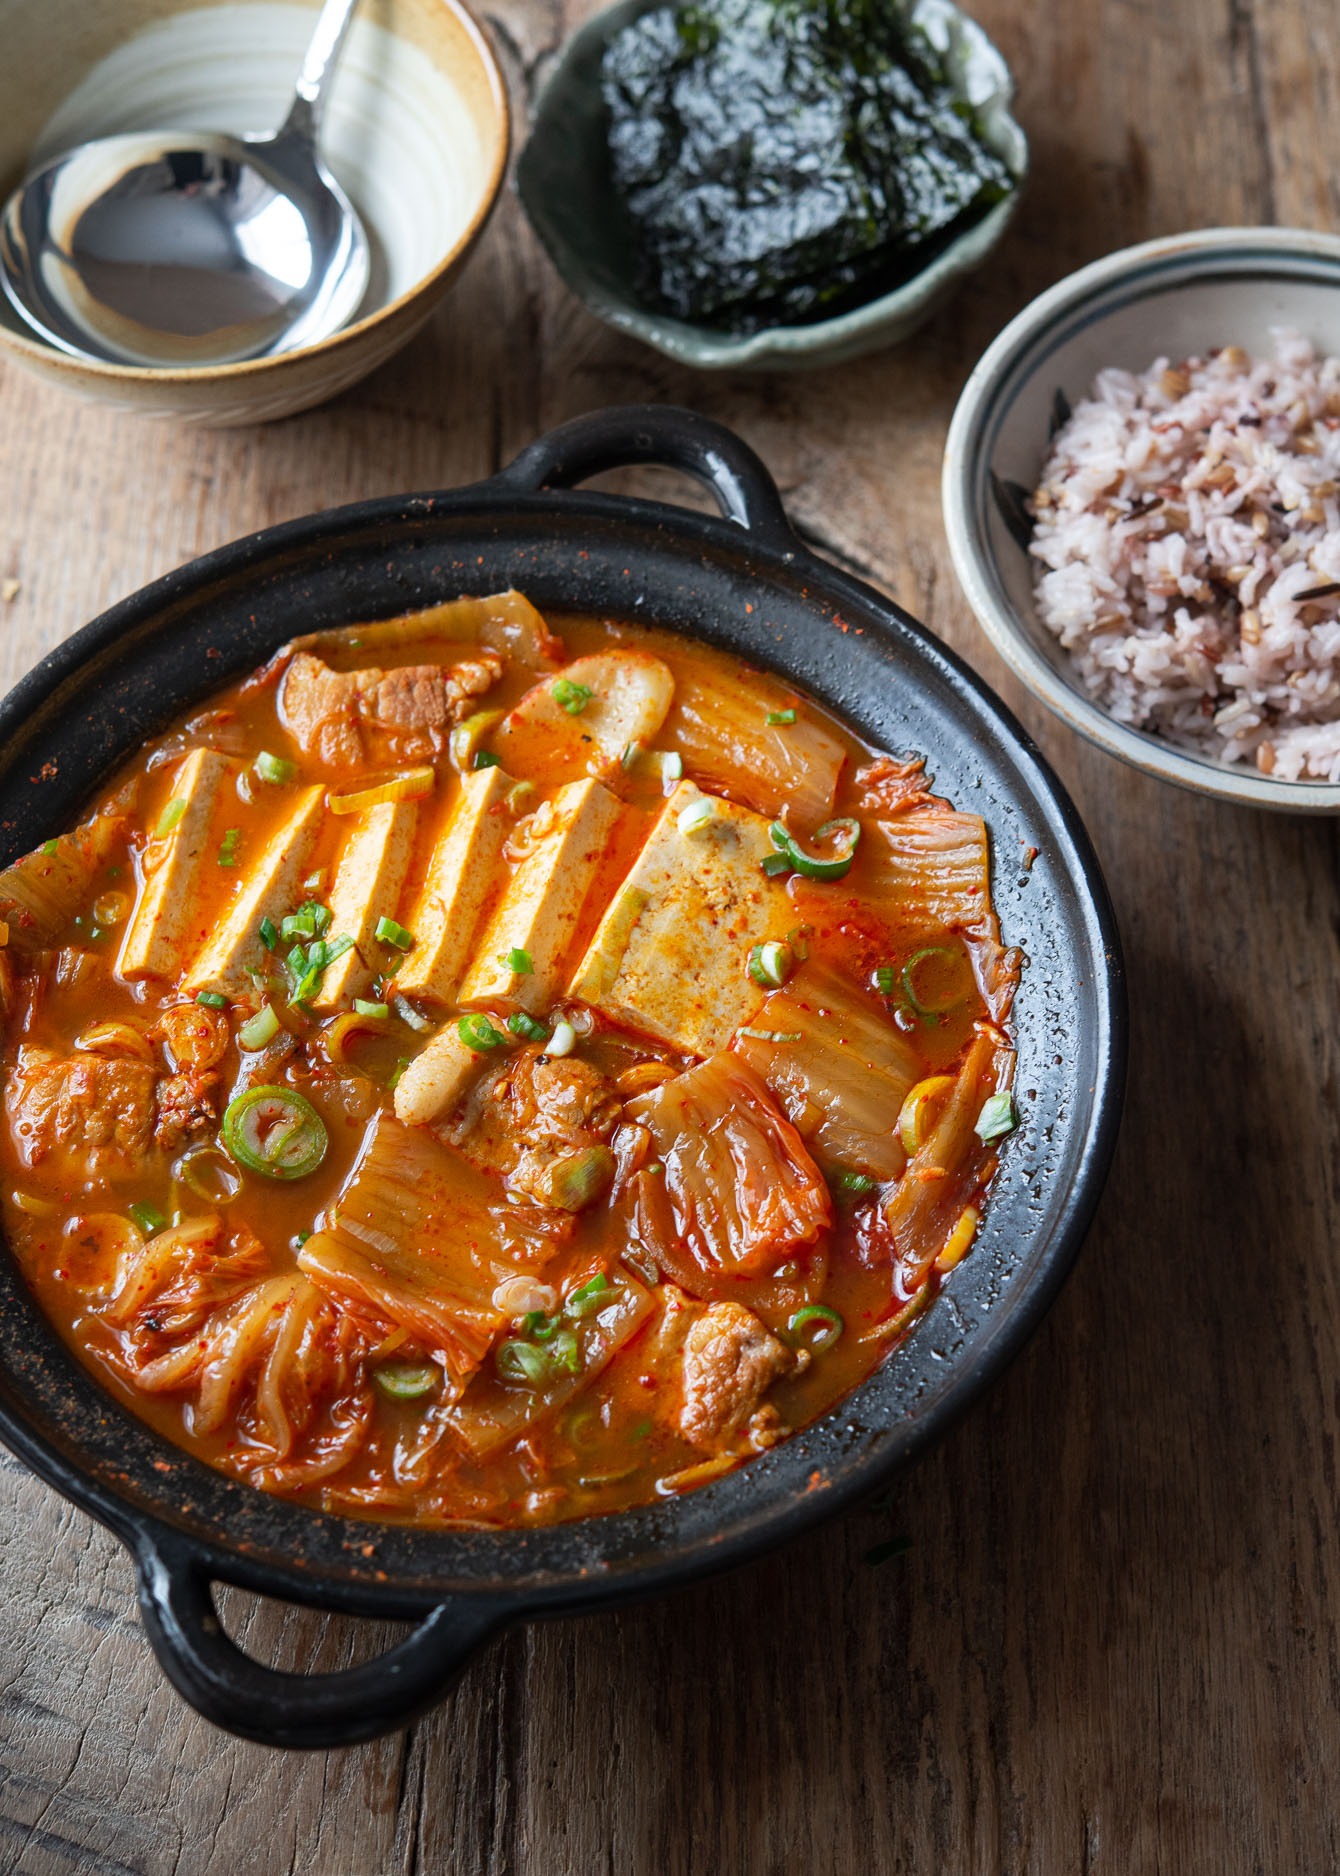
[304, 118]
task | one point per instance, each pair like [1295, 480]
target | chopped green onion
[411, 1017]
[770, 964]
[302, 1238]
[389, 933]
[518, 962]
[997, 1117]
[485, 759]
[768, 1035]
[884, 980]
[314, 881]
[306, 987]
[50, 848]
[798, 938]
[697, 815]
[780, 716]
[170, 816]
[478, 1033]
[147, 1217]
[522, 1361]
[228, 846]
[275, 1131]
[854, 1184]
[259, 1029]
[211, 999]
[527, 1027]
[276, 769]
[336, 947]
[298, 925]
[791, 854]
[588, 1296]
[929, 1013]
[563, 1041]
[563, 1352]
[269, 934]
[630, 755]
[569, 696]
[404, 1380]
[362, 1007]
[829, 1326]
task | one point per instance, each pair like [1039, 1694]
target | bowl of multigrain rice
[1142, 497]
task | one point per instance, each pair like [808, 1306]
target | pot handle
[315, 1711]
[669, 436]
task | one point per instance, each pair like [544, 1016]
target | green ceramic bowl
[565, 186]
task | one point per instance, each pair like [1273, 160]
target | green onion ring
[831, 1326]
[809, 864]
[275, 1132]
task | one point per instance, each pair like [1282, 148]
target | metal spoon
[178, 248]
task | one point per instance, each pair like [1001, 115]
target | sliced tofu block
[580, 721]
[436, 1080]
[368, 883]
[572, 839]
[671, 955]
[166, 926]
[271, 886]
[462, 877]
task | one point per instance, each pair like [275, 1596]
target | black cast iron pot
[746, 583]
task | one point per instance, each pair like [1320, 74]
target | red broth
[618, 1143]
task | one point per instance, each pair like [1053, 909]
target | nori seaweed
[782, 160]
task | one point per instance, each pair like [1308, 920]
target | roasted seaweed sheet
[783, 160]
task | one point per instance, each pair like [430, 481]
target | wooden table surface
[1112, 1645]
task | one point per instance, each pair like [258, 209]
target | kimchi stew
[490, 1070]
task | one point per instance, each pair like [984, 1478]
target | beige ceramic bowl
[416, 130]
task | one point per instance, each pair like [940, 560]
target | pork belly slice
[369, 879]
[270, 886]
[418, 1238]
[81, 1115]
[573, 843]
[344, 719]
[838, 1067]
[730, 1361]
[168, 924]
[462, 879]
[736, 1192]
[671, 955]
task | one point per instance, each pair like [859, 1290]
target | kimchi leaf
[741, 1192]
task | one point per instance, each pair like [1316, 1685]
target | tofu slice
[671, 955]
[166, 927]
[436, 1079]
[573, 836]
[271, 886]
[368, 882]
[462, 877]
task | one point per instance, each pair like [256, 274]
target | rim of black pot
[185, 1521]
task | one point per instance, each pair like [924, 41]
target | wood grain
[1112, 1646]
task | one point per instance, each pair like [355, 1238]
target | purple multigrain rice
[1187, 531]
